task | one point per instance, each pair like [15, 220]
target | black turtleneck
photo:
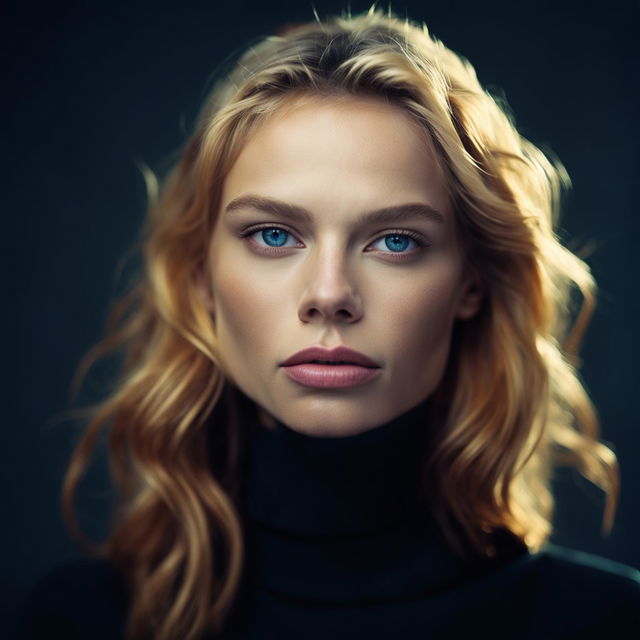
[340, 544]
[340, 485]
[344, 519]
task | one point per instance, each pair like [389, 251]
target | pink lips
[351, 368]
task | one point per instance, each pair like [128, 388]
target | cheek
[418, 322]
[241, 310]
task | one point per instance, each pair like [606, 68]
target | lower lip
[327, 376]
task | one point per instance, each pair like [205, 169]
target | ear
[204, 288]
[471, 297]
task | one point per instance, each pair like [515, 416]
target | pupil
[397, 242]
[274, 237]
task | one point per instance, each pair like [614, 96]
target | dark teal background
[90, 89]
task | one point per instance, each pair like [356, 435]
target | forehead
[339, 151]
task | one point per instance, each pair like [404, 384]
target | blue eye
[396, 242]
[274, 236]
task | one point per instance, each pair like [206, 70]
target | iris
[396, 242]
[275, 237]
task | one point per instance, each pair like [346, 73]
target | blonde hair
[510, 406]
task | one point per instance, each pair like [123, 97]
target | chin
[328, 431]
[331, 421]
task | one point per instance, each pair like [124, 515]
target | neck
[355, 484]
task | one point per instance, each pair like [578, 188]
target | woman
[350, 369]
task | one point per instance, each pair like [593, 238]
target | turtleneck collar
[344, 519]
[336, 485]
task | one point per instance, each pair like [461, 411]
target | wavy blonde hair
[510, 406]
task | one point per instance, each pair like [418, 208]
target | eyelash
[399, 256]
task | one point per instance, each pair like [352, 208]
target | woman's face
[314, 245]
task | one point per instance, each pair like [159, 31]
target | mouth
[338, 368]
[339, 356]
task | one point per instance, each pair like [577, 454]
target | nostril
[344, 310]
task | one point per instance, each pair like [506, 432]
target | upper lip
[337, 354]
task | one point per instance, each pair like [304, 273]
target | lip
[357, 369]
[337, 354]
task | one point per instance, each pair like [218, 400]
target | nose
[329, 292]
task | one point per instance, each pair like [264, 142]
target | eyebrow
[395, 213]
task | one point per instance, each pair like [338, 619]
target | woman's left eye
[395, 242]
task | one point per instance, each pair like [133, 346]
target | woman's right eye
[271, 237]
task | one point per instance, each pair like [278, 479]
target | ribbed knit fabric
[341, 544]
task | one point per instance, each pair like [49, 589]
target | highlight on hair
[511, 405]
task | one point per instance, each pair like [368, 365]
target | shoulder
[589, 573]
[81, 599]
[584, 593]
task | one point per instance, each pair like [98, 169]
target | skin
[336, 281]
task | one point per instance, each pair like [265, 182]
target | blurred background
[92, 90]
